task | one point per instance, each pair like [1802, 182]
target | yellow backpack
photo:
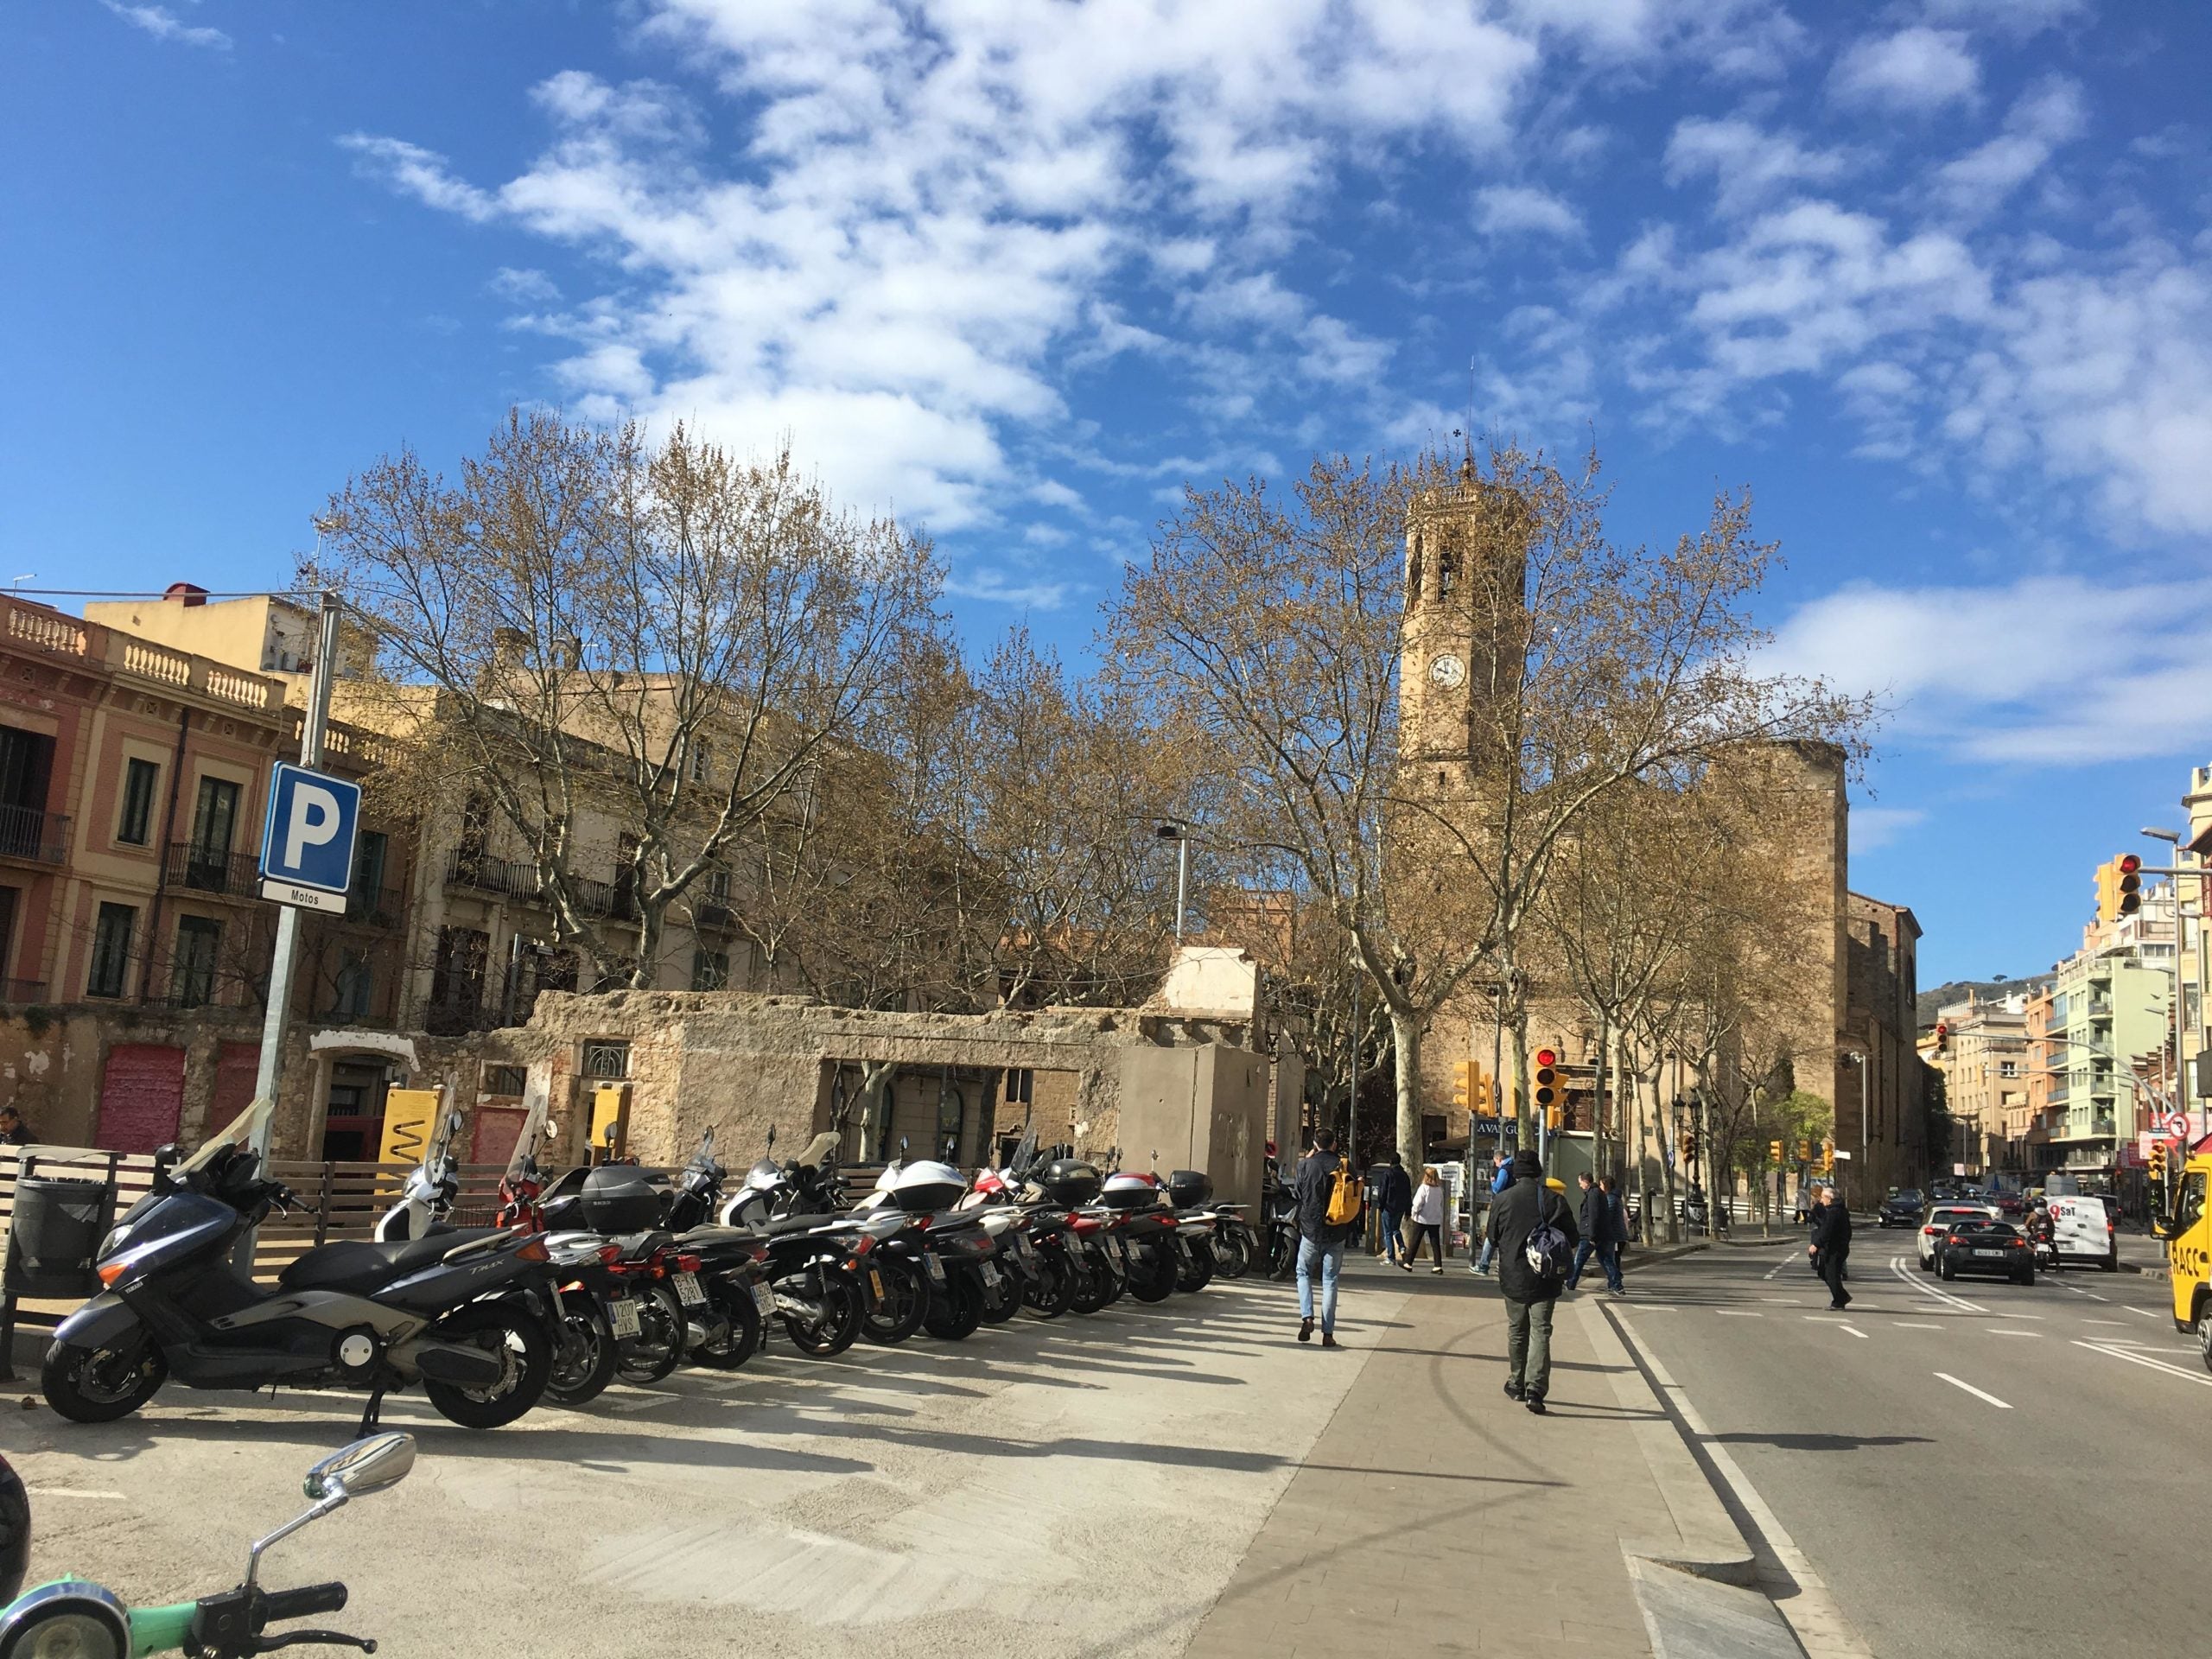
[1344, 1196]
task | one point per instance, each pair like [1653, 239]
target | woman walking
[1428, 1220]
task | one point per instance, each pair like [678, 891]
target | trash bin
[56, 1232]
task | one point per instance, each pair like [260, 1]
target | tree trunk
[1598, 1112]
[1666, 1152]
[1405, 1043]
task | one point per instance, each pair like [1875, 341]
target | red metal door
[236, 1068]
[141, 1096]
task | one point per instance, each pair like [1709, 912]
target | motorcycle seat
[792, 1225]
[356, 1264]
[636, 1247]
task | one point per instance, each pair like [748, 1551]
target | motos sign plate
[306, 843]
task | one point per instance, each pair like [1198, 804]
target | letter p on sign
[315, 820]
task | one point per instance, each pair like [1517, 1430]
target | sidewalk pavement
[1434, 1516]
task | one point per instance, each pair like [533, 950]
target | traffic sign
[2177, 1126]
[306, 842]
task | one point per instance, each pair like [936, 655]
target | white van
[2083, 1231]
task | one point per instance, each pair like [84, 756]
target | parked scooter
[465, 1313]
[74, 1619]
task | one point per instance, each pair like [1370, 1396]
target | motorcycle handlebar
[308, 1598]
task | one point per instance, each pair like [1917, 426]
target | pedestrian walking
[1601, 1234]
[1616, 1207]
[1328, 1210]
[1428, 1220]
[1394, 1198]
[13, 1132]
[1526, 1211]
[1831, 1245]
[1501, 1178]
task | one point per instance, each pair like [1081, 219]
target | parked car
[1901, 1209]
[2084, 1231]
[1994, 1248]
[1941, 1219]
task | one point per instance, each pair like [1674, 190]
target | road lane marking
[74, 1491]
[1738, 1313]
[2145, 1311]
[1994, 1332]
[2104, 1321]
[1779, 1266]
[1820, 1625]
[1896, 1266]
[1910, 1325]
[1854, 1331]
[1977, 1393]
[2145, 1359]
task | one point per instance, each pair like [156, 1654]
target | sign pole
[287, 915]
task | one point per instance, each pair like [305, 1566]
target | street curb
[1691, 1617]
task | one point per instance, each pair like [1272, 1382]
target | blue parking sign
[307, 843]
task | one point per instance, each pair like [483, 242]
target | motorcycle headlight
[71, 1618]
[118, 1236]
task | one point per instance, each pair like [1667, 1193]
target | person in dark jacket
[1320, 1242]
[1831, 1245]
[1601, 1235]
[1393, 1197]
[1501, 1178]
[1529, 1295]
[13, 1132]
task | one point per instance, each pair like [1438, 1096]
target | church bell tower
[1466, 615]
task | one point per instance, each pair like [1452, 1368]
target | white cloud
[996, 587]
[1514, 209]
[423, 174]
[1747, 163]
[165, 25]
[1914, 69]
[2001, 674]
[2049, 115]
[1873, 828]
[523, 287]
[2016, 18]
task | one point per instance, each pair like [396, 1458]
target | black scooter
[465, 1313]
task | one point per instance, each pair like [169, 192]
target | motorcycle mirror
[366, 1466]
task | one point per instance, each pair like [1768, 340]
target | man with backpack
[1394, 1198]
[1328, 1210]
[1533, 1228]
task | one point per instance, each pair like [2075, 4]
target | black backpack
[1549, 1253]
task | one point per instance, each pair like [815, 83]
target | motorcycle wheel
[1003, 1304]
[1160, 1284]
[658, 1349]
[1285, 1267]
[1198, 1273]
[97, 1385]
[1052, 1291]
[1232, 1257]
[839, 1326]
[583, 1353]
[1090, 1285]
[519, 1339]
[736, 1335]
[905, 1304]
[954, 1315]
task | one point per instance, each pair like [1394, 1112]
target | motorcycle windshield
[241, 1130]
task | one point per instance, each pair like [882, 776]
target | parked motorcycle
[465, 1313]
[74, 1619]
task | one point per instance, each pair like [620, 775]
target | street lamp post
[1180, 834]
[1858, 1057]
[2172, 837]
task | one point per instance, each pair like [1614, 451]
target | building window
[1021, 1088]
[702, 757]
[608, 1062]
[192, 981]
[111, 950]
[2008, 1068]
[370, 847]
[709, 970]
[139, 778]
[951, 1111]
[354, 986]
[506, 1081]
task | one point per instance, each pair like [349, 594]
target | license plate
[688, 1290]
[937, 1270]
[875, 1284]
[764, 1298]
[623, 1315]
[1994, 1256]
[990, 1276]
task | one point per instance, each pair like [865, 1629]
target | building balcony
[33, 836]
[2100, 1010]
[20, 991]
[508, 879]
[220, 875]
[384, 909]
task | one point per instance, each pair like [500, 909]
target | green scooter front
[72, 1618]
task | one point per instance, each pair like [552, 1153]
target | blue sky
[1934, 278]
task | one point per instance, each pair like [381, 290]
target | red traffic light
[2129, 863]
[1545, 1057]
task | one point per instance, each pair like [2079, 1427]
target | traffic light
[1805, 1152]
[2158, 1163]
[1689, 1146]
[1485, 1095]
[1828, 1157]
[2119, 887]
[1551, 1092]
[1774, 1152]
[1463, 1085]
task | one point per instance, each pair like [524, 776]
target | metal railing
[510, 878]
[42, 838]
[226, 874]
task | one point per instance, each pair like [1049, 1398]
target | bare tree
[595, 635]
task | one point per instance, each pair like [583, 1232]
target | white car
[2083, 1229]
[1939, 1219]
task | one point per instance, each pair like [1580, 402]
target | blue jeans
[1609, 1257]
[1482, 1261]
[1388, 1223]
[1332, 1259]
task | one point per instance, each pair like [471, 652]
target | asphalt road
[1968, 1465]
